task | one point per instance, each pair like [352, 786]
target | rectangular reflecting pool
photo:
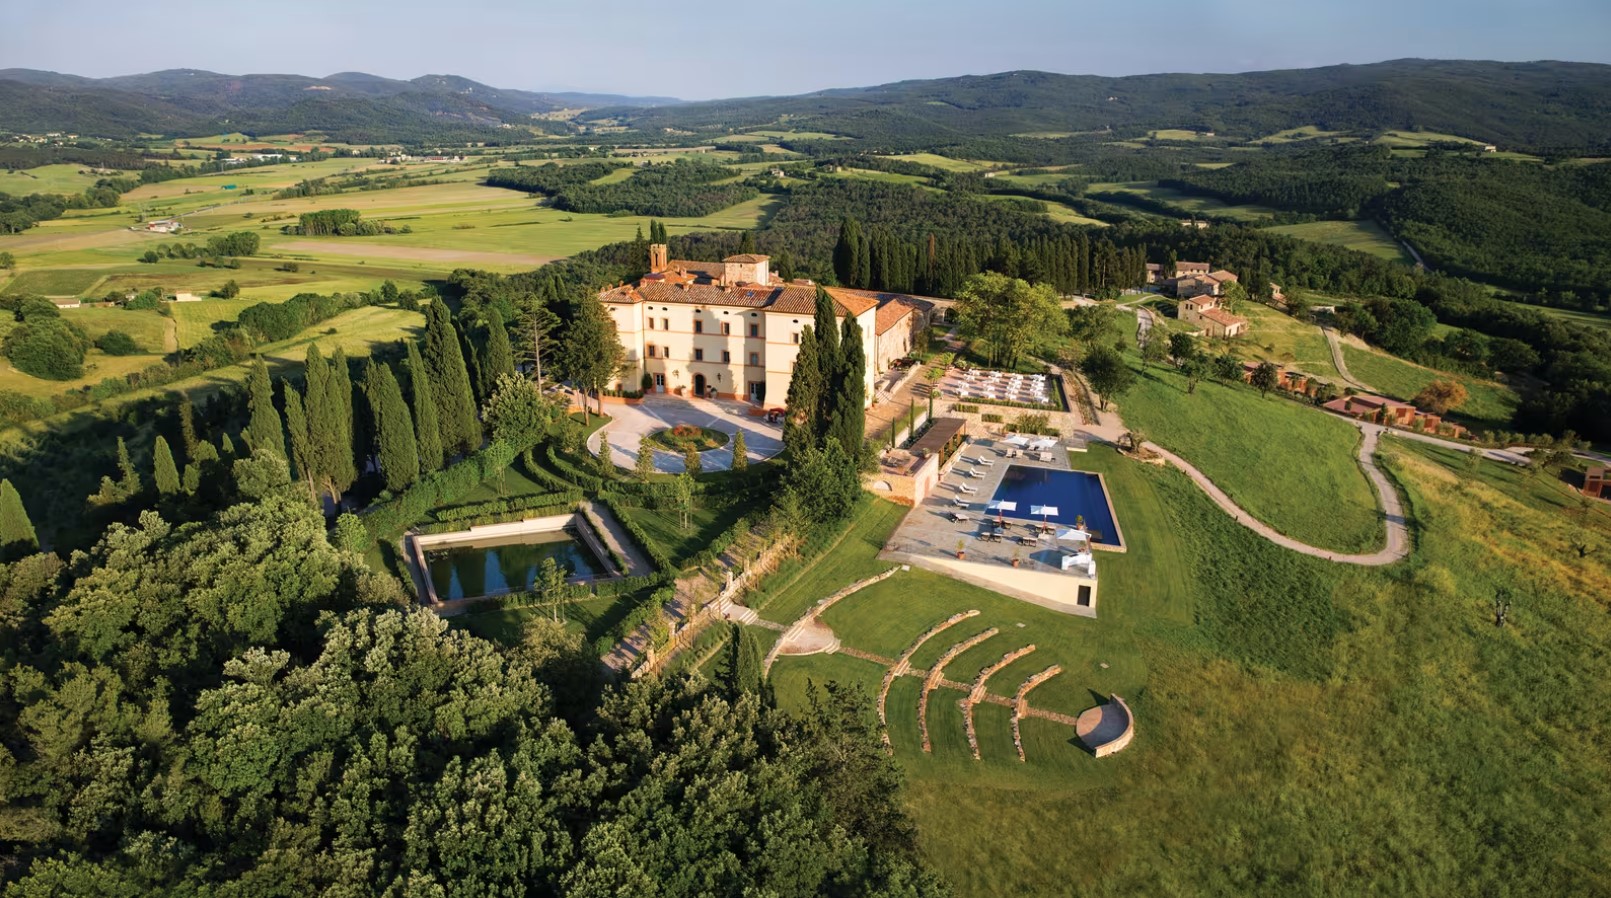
[507, 564]
[1074, 494]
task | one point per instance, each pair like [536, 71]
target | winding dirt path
[1337, 359]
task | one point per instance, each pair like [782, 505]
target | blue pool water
[1074, 493]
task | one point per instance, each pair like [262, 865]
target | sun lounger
[958, 517]
[964, 488]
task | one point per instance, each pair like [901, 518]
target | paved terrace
[928, 537]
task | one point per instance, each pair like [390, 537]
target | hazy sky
[699, 49]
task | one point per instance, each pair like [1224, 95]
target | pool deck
[928, 538]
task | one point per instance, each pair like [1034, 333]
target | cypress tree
[227, 445]
[828, 364]
[846, 253]
[499, 358]
[164, 470]
[741, 461]
[849, 422]
[345, 444]
[264, 429]
[17, 536]
[450, 382]
[296, 422]
[128, 476]
[323, 433]
[746, 242]
[187, 424]
[427, 432]
[805, 397]
[393, 427]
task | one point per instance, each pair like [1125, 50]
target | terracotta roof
[1222, 317]
[747, 258]
[787, 298]
[895, 310]
[711, 270]
[1191, 266]
[1375, 401]
[1222, 275]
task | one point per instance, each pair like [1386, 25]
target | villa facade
[731, 329]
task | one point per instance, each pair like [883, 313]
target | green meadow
[1274, 336]
[1365, 236]
[64, 178]
[1292, 467]
[1187, 203]
[1489, 405]
[1292, 715]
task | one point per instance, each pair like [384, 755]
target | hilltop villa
[731, 329]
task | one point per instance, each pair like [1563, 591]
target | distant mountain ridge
[191, 102]
[1532, 105]
[1539, 106]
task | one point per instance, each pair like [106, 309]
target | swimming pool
[1074, 493]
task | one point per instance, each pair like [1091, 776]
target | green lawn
[1187, 203]
[63, 178]
[797, 585]
[1275, 336]
[664, 528]
[1292, 715]
[1489, 406]
[1365, 236]
[1290, 466]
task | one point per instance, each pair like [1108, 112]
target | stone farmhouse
[731, 329]
[1392, 413]
[1208, 313]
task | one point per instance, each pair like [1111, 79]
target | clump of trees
[1008, 318]
[339, 223]
[824, 431]
[43, 343]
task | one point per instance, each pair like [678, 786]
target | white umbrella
[1075, 534]
[1000, 505]
[1044, 511]
[1043, 444]
[1017, 439]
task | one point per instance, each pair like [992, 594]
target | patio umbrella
[1043, 444]
[1074, 533]
[1000, 505]
[1017, 439]
[1044, 511]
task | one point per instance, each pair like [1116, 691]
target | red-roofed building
[1597, 483]
[1207, 313]
[732, 328]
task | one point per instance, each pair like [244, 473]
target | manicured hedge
[504, 506]
[501, 517]
[390, 518]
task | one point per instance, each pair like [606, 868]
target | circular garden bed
[683, 437]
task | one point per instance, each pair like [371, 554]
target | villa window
[649, 350]
[699, 355]
[651, 324]
[727, 329]
[727, 356]
[755, 330]
[796, 338]
[665, 324]
[755, 359]
[699, 326]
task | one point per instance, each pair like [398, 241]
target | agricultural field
[63, 178]
[1264, 686]
[148, 328]
[1187, 203]
[1292, 135]
[1273, 456]
[1056, 211]
[1365, 236]
[1176, 134]
[1587, 319]
[1490, 406]
[946, 162]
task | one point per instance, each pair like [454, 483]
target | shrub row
[501, 506]
[497, 517]
[661, 561]
[577, 592]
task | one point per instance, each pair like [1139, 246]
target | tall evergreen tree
[427, 431]
[296, 423]
[847, 253]
[393, 427]
[17, 536]
[450, 382]
[592, 351]
[849, 422]
[163, 469]
[746, 242]
[829, 364]
[128, 476]
[805, 397]
[187, 424]
[340, 386]
[264, 429]
[499, 359]
[326, 436]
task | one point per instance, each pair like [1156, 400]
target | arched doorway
[699, 385]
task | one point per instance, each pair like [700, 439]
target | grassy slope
[1276, 337]
[1275, 457]
[1303, 728]
[1365, 236]
[1490, 404]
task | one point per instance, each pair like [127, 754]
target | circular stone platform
[1106, 728]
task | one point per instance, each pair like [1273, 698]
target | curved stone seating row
[811, 614]
[977, 692]
[936, 674]
[1020, 703]
[1106, 728]
[904, 663]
